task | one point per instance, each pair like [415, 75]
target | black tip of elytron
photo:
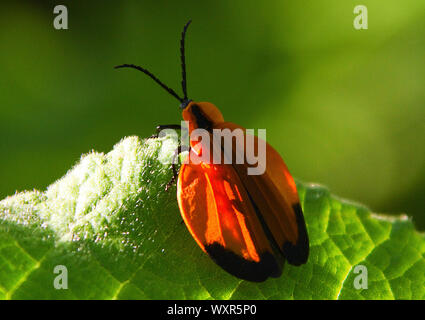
[298, 254]
[242, 268]
[185, 103]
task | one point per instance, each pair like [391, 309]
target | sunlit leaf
[111, 223]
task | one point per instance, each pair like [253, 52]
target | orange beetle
[248, 224]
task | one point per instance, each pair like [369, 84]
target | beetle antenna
[182, 57]
[148, 73]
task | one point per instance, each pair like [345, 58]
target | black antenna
[183, 62]
[184, 101]
[147, 72]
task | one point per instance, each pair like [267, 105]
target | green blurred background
[345, 107]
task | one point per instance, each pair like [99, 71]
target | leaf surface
[111, 223]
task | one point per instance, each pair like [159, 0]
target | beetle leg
[179, 150]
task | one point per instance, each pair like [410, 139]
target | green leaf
[111, 223]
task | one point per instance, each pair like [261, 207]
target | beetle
[248, 224]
